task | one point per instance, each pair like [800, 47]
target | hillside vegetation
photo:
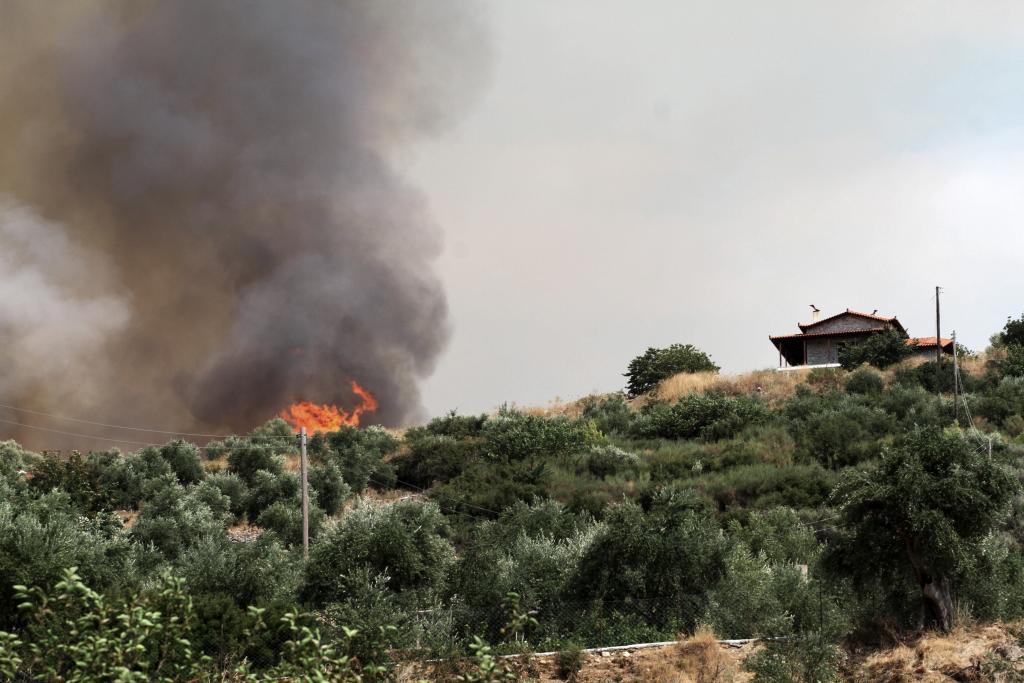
[825, 511]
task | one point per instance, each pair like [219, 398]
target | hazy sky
[639, 174]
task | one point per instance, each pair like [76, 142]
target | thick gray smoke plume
[200, 221]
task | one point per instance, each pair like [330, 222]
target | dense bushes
[704, 416]
[613, 523]
[403, 542]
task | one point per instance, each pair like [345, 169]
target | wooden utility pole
[956, 383]
[938, 345]
[304, 468]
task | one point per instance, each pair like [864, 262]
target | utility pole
[956, 383]
[304, 468]
[938, 345]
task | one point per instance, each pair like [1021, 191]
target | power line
[126, 427]
[81, 436]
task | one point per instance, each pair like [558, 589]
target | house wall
[847, 323]
[820, 351]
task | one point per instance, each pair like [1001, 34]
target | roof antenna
[874, 311]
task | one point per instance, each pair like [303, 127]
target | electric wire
[124, 427]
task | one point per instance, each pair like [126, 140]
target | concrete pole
[304, 467]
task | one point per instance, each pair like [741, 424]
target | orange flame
[329, 418]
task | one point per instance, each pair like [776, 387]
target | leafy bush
[607, 461]
[246, 458]
[865, 381]
[484, 489]
[75, 634]
[267, 488]
[183, 459]
[452, 425]
[15, 461]
[1001, 403]
[231, 486]
[706, 416]
[611, 413]
[405, 541]
[285, 519]
[40, 537]
[331, 491]
[881, 350]
[73, 477]
[358, 454]
[530, 550]
[662, 561]
[654, 365]
[434, 459]
[258, 572]
[176, 518]
[519, 436]
[1012, 333]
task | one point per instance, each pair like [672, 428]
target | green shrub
[405, 541]
[607, 461]
[611, 413]
[569, 661]
[231, 486]
[807, 659]
[654, 365]
[246, 458]
[778, 534]
[519, 436]
[484, 489]
[662, 561]
[1003, 402]
[358, 454]
[452, 425]
[75, 634]
[267, 488]
[42, 536]
[865, 381]
[433, 459]
[258, 572]
[285, 519]
[530, 550]
[176, 518]
[881, 350]
[706, 416]
[183, 459]
[331, 491]
[15, 461]
[73, 477]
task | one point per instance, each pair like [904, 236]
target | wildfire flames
[329, 418]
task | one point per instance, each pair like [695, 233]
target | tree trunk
[937, 595]
[936, 590]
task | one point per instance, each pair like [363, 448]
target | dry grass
[698, 659]
[772, 385]
[966, 654]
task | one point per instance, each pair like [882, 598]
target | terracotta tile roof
[868, 316]
[805, 335]
[924, 342]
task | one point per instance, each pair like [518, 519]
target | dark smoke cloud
[200, 217]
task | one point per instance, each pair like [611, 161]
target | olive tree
[922, 514]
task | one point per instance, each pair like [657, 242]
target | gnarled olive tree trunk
[936, 590]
